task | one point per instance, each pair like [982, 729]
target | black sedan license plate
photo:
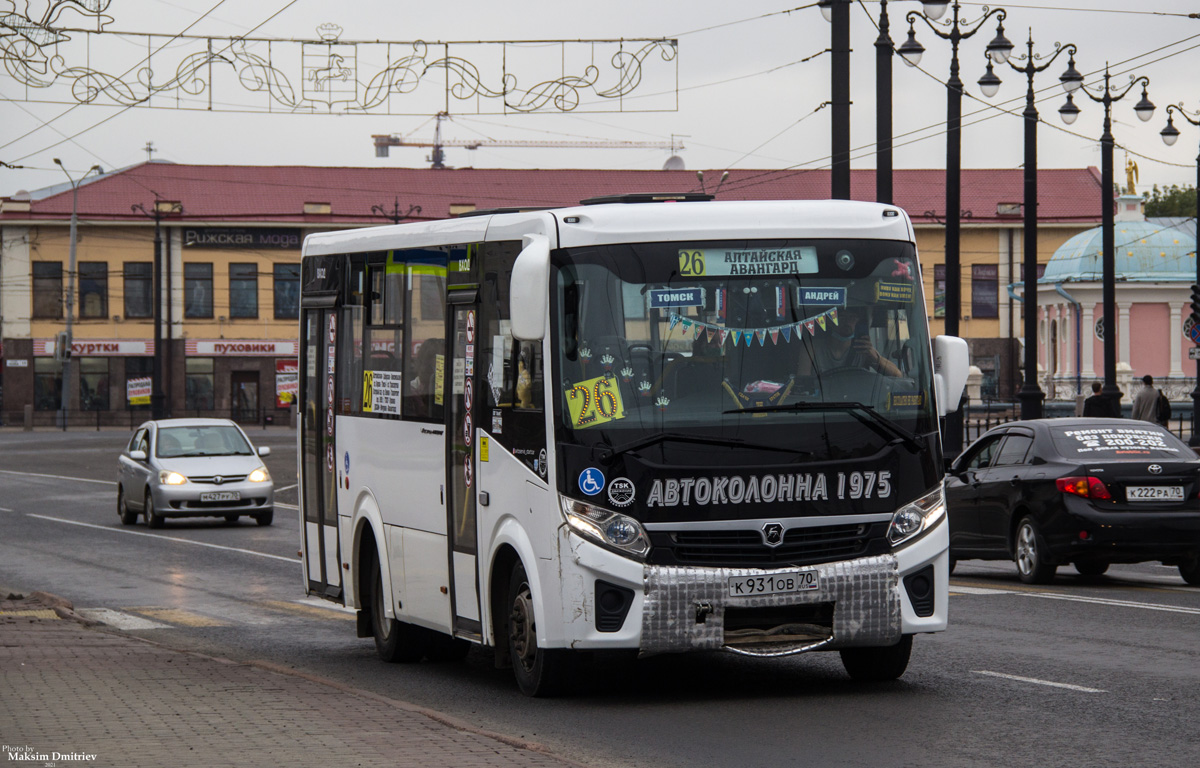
[774, 584]
[1154, 492]
[221, 496]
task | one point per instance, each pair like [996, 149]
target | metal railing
[77, 419]
[980, 417]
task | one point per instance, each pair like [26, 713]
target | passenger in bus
[846, 344]
[422, 397]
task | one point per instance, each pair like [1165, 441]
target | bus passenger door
[461, 418]
[318, 496]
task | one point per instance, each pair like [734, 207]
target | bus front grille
[746, 548]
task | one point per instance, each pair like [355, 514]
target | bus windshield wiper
[855, 409]
[612, 451]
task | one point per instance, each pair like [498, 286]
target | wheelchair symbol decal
[591, 481]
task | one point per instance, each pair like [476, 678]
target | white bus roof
[637, 222]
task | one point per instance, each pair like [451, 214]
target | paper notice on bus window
[381, 392]
[747, 262]
[439, 379]
[595, 401]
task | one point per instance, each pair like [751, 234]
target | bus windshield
[719, 340]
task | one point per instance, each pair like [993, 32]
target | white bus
[631, 424]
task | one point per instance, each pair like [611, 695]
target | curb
[62, 607]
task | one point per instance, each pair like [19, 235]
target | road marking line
[180, 616]
[31, 613]
[316, 611]
[58, 477]
[286, 506]
[165, 538]
[1036, 681]
[1076, 599]
[119, 620]
[287, 487]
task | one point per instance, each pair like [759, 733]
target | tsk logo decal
[772, 534]
[735, 489]
[621, 492]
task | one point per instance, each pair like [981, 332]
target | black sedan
[1090, 492]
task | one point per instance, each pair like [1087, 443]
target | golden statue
[1131, 176]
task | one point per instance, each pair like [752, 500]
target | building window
[47, 289]
[93, 383]
[243, 290]
[287, 291]
[939, 290]
[985, 287]
[197, 287]
[139, 287]
[93, 289]
[198, 384]
[47, 384]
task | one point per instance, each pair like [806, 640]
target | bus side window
[529, 392]
[425, 372]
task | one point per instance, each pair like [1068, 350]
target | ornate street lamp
[1170, 135]
[1144, 109]
[1031, 395]
[955, 30]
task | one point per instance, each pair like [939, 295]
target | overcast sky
[746, 98]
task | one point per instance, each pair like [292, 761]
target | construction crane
[438, 157]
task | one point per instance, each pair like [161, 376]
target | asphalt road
[1086, 671]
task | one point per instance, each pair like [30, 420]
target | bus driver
[846, 344]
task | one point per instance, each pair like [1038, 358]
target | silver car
[193, 468]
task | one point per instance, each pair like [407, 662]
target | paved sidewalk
[101, 698]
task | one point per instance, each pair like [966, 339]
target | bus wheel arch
[540, 672]
[500, 573]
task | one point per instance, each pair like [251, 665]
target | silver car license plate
[1154, 492]
[221, 496]
[774, 584]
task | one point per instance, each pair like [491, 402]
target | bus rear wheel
[395, 640]
[540, 672]
[878, 664]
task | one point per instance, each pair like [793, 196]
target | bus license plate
[221, 496]
[1154, 492]
[774, 584]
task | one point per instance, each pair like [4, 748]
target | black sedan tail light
[1087, 487]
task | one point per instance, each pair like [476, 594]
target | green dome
[1146, 251]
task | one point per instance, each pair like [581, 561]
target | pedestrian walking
[1098, 405]
[1145, 402]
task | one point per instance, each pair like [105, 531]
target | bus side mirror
[950, 362]
[529, 294]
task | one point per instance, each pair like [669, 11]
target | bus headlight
[260, 475]
[167, 477]
[917, 517]
[607, 528]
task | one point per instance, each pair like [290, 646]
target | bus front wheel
[878, 664]
[540, 672]
[395, 640]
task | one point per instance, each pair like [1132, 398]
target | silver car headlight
[167, 477]
[260, 475]
[607, 528]
[917, 518]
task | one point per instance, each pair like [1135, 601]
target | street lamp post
[70, 308]
[1144, 109]
[1031, 395]
[1170, 135]
[837, 12]
[998, 49]
[158, 409]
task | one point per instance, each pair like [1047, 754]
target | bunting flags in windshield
[822, 321]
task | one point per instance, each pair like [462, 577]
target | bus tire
[540, 672]
[152, 520]
[127, 515]
[878, 664]
[444, 648]
[395, 640]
